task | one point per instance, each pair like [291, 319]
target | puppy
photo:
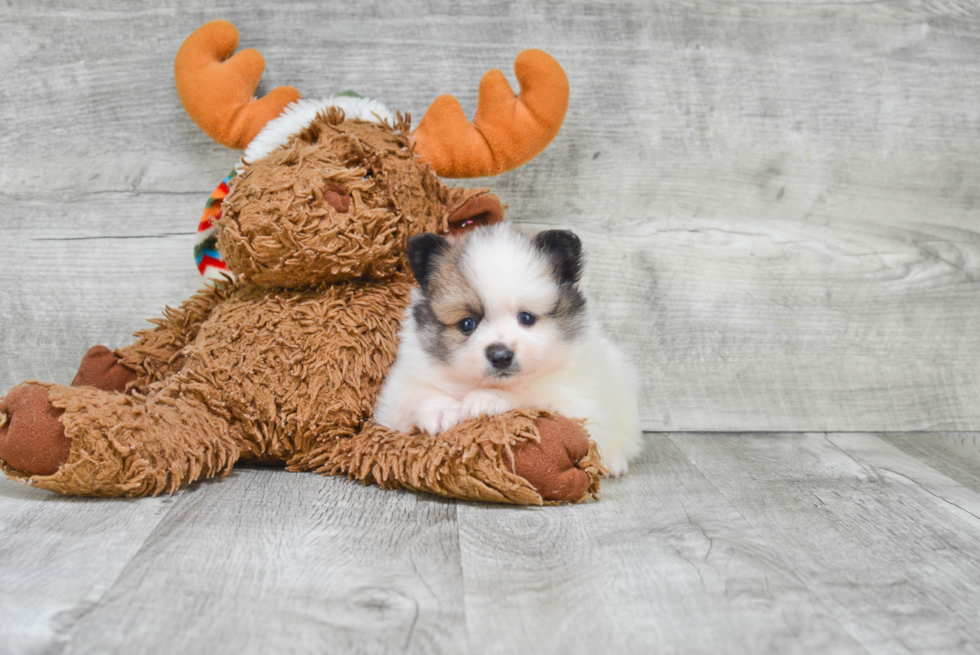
[497, 323]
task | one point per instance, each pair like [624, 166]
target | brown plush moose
[284, 362]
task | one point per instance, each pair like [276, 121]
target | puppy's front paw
[438, 414]
[489, 403]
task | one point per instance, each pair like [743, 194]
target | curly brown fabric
[472, 460]
[285, 363]
[278, 230]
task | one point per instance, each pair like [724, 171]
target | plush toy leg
[32, 437]
[156, 354]
[118, 445]
[100, 368]
[484, 459]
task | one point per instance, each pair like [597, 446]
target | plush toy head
[334, 189]
[339, 200]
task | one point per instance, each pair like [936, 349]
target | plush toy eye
[525, 318]
[467, 325]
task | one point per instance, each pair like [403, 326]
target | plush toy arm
[476, 460]
[157, 351]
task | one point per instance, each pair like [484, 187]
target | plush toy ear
[482, 208]
[564, 251]
[422, 251]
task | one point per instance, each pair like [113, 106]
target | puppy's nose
[500, 356]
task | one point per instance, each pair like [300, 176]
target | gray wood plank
[95, 281]
[277, 562]
[59, 556]
[713, 543]
[954, 454]
[887, 544]
[662, 563]
[955, 502]
[774, 326]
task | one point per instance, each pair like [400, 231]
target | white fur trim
[218, 274]
[301, 113]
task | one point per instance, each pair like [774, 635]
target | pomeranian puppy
[498, 322]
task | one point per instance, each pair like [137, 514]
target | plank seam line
[462, 573]
[930, 492]
[791, 571]
[70, 631]
[162, 235]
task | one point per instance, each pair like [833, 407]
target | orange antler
[506, 131]
[217, 88]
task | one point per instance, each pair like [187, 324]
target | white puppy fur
[499, 323]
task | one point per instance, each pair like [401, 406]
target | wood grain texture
[887, 544]
[276, 562]
[58, 558]
[713, 543]
[662, 564]
[954, 454]
[93, 281]
[779, 199]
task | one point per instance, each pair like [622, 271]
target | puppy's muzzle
[500, 356]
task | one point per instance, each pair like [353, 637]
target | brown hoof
[550, 465]
[101, 369]
[32, 438]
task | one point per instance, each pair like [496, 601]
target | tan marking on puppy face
[450, 298]
[450, 293]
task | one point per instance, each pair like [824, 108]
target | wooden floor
[714, 543]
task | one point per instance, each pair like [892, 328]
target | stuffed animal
[283, 361]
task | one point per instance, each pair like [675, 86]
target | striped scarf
[210, 263]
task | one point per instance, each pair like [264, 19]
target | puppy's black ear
[564, 251]
[422, 252]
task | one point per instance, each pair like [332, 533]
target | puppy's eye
[525, 318]
[467, 325]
